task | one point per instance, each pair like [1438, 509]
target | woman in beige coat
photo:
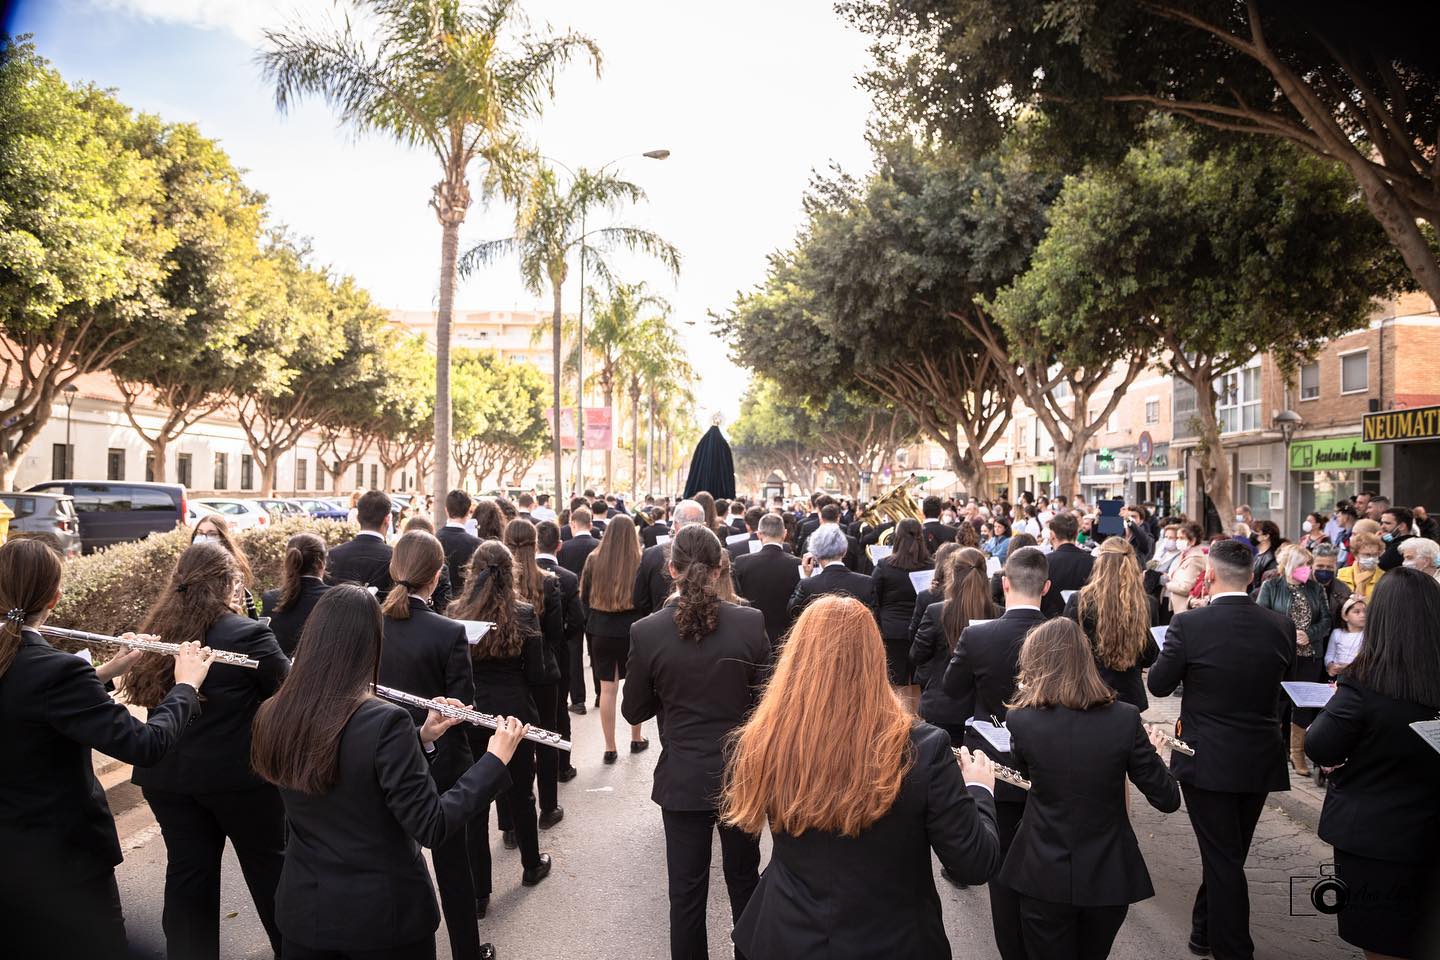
[1187, 569]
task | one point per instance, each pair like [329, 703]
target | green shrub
[110, 590]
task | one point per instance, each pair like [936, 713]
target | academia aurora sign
[1342, 453]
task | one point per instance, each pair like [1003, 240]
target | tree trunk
[158, 449]
[449, 245]
[1401, 227]
[1214, 470]
[1067, 467]
[555, 348]
[635, 440]
[607, 387]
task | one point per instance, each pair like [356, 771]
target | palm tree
[443, 75]
[549, 228]
[616, 326]
[650, 356]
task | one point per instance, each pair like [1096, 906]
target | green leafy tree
[474, 401]
[773, 430]
[405, 419]
[455, 78]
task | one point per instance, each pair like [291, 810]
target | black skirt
[608, 656]
[1386, 903]
[897, 661]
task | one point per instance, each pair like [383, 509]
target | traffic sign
[1144, 448]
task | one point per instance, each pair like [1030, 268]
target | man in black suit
[750, 529]
[1397, 524]
[935, 532]
[1231, 656]
[525, 507]
[828, 545]
[983, 667]
[739, 518]
[810, 522]
[458, 543]
[575, 504]
[366, 559]
[657, 527]
[652, 579]
[572, 614]
[599, 510]
[769, 576]
[1069, 565]
[572, 556]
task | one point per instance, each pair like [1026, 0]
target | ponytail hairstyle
[29, 579]
[529, 578]
[695, 564]
[967, 594]
[304, 556]
[490, 596]
[203, 588]
[416, 559]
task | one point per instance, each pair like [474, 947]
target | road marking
[599, 789]
[138, 840]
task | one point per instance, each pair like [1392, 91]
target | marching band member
[302, 583]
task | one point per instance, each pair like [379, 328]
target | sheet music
[1308, 695]
[997, 737]
[1065, 595]
[1159, 634]
[735, 538]
[661, 539]
[976, 623]
[992, 565]
[1429, 731]
[920, 580]
[755, 546]
[84, 654]
[475, 629]
[878, 552]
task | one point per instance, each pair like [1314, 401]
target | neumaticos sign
[1420, 423]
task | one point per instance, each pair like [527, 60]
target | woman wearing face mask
[1313, 531]
[1186, 570]
[1419, 553]
[216, 530]
[1267, 540]
[1362, 576]
[1323, 566]
[1302, 601]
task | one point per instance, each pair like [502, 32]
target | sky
[750, 97]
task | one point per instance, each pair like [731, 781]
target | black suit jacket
[459, 546]
[649, 532]
[1069, 570]
[55, 826]
[741, 549]
[894, 600]
[930, 652]
[1231, 655]
[832, 579]
[574, 551]
[1075, 844]
[428, 655]
[803, 530]
[766, 579]
[288, 624]
[1382, 802]
[652, 580]
[937, 533]
[503, 684]
[705, 690]
[354, 878]
[364, 560]
[572, 614]
[873, 895]
[214, 754]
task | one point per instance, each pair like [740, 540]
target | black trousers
[1224, 826]
[79, 921]
[195, 827]
[576, 676]
[1061, 931]
[562, 715]
[452, 861]
[1005, 902]
[521, 801]
[419, 950]
[687, 861]
[547, 759]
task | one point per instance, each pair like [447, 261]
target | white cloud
[245, 18]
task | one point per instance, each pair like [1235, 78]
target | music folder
[1429, 731]
[1308, 695]
[475, 629]
[997, 737]
[920, 580]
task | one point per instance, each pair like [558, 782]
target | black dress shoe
[611, 756]
[548, 818]
[542, 870]
[487, 951]
[482, 905]
[578, 709]
[597, 699]
[566, 775]
[1198, 948]
[639, 746]
[507, 837]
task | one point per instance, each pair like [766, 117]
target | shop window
[302, 474]
[182, 469]
[247, 472]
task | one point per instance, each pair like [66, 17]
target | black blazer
[766, 579]
[552, 628]
[652, 580]
[288, 624]
[894, 600]
[937, 533]
[983, 669]
[54, 820]
[354, 877]
[1231, 655]
[1075, 844]
[503, 684]
[428, 655]
[808, 525]
[923, 599]
[930, 652]
[1382, 802]
[364, 560]
[1129, 685]
[214, 754]
[459, 546]
[705, 690]
[571, 612]
[574, 551]
[649, 532]
[832, 579]
[873, 895]
[1069, 570]
[741, 549]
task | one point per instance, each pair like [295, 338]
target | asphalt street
[606, 896]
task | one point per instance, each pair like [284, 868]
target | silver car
[52, 513]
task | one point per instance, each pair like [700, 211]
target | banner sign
[598, 431]
[1420, 423]
[1341, 453]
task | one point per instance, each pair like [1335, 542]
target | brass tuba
[895, 506]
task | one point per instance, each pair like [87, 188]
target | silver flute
[1012, 777]
[1176, 744]
[543, 737]
[149, 646]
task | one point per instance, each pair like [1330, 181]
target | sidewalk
[1300, 803]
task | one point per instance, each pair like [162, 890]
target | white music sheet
[1429, 731]
[1308, 695]
[920, 579]
[475, 629]
[997, 737]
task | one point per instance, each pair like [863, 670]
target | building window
[1355, 372]
[359, 476]
[182, 469]
[149, 468]
[222, 471]
[1111, 423]
[302, 474]
[247, 472]
[115, 464]
[374, 476]
[1238, 406]
[1020, 439]
[1310, 381]
[1152, 411]
[61, 462]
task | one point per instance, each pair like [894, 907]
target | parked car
[52, 513]
[197, 512]
[115, 511]
[323, 509]
[242, 514]
[282, 508]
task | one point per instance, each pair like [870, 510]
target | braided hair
[490, 596]
[695, 563]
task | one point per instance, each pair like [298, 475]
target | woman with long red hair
[854, 816]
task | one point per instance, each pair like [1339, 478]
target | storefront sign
[1420, 423]
[1342, 453]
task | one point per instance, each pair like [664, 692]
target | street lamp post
[69, 390]
[1287, 422]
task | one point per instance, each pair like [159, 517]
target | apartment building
[522, 335]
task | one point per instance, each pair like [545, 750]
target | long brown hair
[416, 559]
[967, 594]
[908, 550]
[610, 568]
[490, 596]
[529, 578]
[1114, 601]
[695, 556]
[228, 541]
[489, 521]
[831, 676]
[30, 574]
[942, 567]
[1058, 670]
[304, 556]
[201, 590]
[707, 502]
[295, 741]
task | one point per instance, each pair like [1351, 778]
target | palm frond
[640, 240]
